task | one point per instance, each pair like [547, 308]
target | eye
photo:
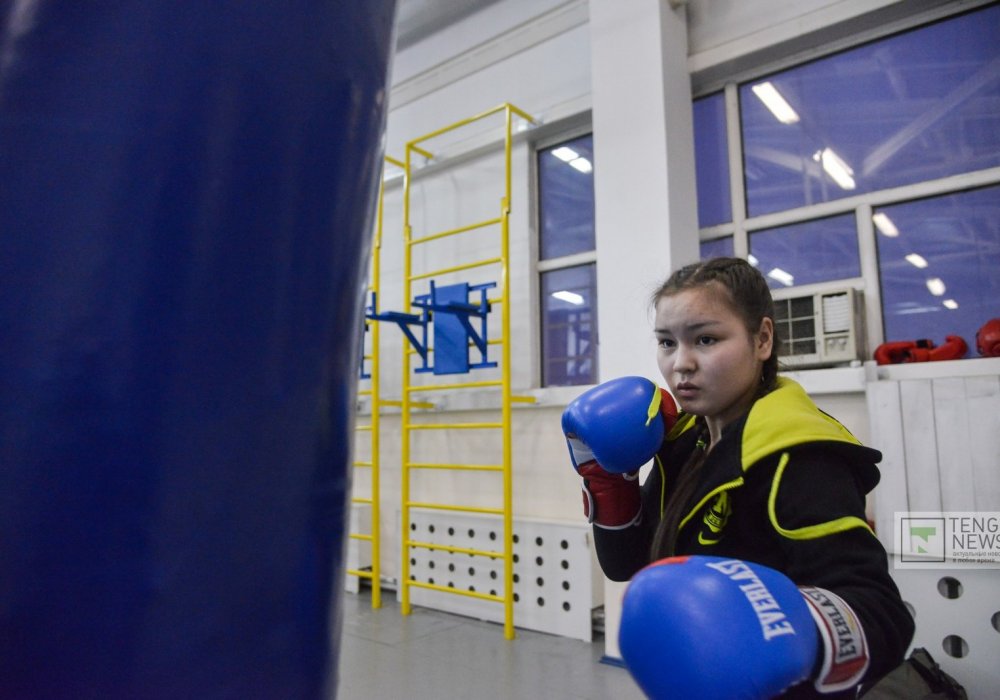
[706, 340]
[666, 343]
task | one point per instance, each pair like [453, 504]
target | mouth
[686, 390]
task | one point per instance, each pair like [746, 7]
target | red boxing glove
[988, 338]
[610, 501]
[922, 350]
[668, 411]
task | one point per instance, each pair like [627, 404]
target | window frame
[544, 140]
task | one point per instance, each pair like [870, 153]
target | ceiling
[418, 19]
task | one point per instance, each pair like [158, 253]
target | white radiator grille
[837, 313]
[555, 590]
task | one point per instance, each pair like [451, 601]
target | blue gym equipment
[186, 205]
[448, 312]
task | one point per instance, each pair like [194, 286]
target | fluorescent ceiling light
[571, 297]
[752, 260]
[773, 100]
[935, 286]
[884, 224]
[781, 276]
[950, 304]
[565, 154]
[581, 164]
[836, 168]
[925, 309]
[916, 260]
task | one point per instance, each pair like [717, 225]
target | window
[715, 205]
[567, 265]
[566, 198]
[568, 320]
[912, 107]
[938, 261]
[809, 252]
[889, 150]
[717, 247]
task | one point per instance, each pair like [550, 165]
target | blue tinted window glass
[912, 107]
[569, 326]
[814, 251]
[711, 159]
[566, 198]
[717, 248]
[939, 264]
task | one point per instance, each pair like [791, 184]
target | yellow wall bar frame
[374, 539]
[503, 220]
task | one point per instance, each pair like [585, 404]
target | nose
[684, 360]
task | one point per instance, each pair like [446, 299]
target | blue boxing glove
[621, 422]
[612, 430]
[709, 627]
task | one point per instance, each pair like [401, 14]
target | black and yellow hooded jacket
[784, 487]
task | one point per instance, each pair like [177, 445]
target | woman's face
[709, 360]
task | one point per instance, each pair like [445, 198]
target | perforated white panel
[958, 613]
[555, 589]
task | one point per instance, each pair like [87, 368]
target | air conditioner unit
[819, 330]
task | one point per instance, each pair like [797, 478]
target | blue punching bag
[186, 198]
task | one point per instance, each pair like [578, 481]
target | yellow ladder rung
[413, 404]
[466, 467]
[519, 112]
[454, 231]
[362, 501]
[459, 509]
[426, 154]
[364, 464]
[356, 536]
[455, 268]
[363, 427]
[454, 550]
[455, 385]
[361, 574]
[524, 399]
[455, 426]
[457, 591]
[468, 120]
[364, 392]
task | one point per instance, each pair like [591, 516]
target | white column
[646, 214]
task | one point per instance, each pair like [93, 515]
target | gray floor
[432, 655]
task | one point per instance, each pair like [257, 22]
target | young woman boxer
[766, 492]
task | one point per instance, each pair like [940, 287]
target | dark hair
[746, 291]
